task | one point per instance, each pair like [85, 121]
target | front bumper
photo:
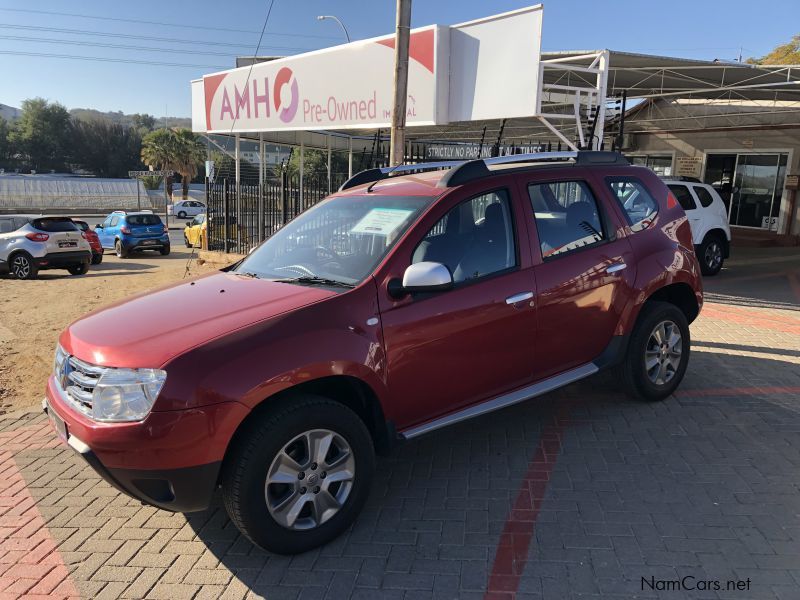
[171, 460]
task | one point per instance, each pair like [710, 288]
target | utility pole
[401, 38]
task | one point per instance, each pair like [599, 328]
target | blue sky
[693, 28]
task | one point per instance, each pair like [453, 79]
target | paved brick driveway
[582, 493]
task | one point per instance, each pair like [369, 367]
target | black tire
[711, 255]
[97, 259]
[244, 476]
[164, 251]
[182, 215]
[120, 249]
[633, 370]
[80, 269]
[186, 241]
[22, 266]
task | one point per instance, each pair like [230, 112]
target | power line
[109, 59]
[128, 47]
[128, 36]
[119, 19]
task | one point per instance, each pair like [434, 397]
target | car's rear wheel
[80, 269]
[298, 475]
[658, 352]
[120, 249]
[23, 267]
[711, 255]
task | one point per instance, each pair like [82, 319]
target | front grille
[76, 380]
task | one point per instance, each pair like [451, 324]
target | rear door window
[636, 201]
[567, 216]
[705, 197]
[54, 224]
[684, 196]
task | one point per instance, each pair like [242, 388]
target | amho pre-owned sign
[483, 69]
[345, 86]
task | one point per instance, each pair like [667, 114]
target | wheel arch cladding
[681, 295]
[349, 391]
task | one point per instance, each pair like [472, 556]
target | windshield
[339, 240]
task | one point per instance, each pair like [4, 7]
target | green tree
[106, 149]
[152, 182]
[143, 122]
[41, 134]
[158, 151]
[190, 153]
[5, 145]
[315, 163]
[784, 54]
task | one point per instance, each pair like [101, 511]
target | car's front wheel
[658, 352]
[711, 255]
[97, 259]
[182, 215]
[299, 474]
[164, 250]
[23, 267]
[186, 241]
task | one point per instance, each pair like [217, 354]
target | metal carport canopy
[641, 76]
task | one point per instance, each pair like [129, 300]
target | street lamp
[339, 21]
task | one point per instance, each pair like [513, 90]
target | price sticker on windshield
[381, 221]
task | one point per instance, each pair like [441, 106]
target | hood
[150, 329]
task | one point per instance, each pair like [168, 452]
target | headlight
[126, 394]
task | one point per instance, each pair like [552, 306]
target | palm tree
[190, 154]
[159, 150]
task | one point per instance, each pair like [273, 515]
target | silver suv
[30, 243]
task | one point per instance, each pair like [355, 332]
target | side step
[515, 397]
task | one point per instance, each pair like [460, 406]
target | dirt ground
[33, 313]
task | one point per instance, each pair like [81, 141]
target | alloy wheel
[662, 356]
[21, 267]
[310, 479]
[713, 255]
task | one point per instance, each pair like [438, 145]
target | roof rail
[461, 172]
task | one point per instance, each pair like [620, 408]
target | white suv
[708, 220]
[30, 243]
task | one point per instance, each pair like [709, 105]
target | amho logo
[286, 110]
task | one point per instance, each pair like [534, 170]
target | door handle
[521, 297]
[616, 267]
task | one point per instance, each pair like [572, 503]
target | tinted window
[684, 196]
[637, 203]
[6, 225]
[704, 196]
[144, 220]
[82, 225]
[566, 215]
[54, 225]
[474, 239]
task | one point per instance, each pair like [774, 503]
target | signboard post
[137, 175]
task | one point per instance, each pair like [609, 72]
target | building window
[660, 164]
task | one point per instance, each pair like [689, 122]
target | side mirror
[98, 226]
[425, 277]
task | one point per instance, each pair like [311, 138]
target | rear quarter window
[54, 225]
[684, 196]
[705, 197]
[634, 198]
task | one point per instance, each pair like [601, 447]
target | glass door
[757, 189]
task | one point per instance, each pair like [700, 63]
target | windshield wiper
[316, 280]
[246, 274]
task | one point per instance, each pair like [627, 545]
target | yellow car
[195, 231]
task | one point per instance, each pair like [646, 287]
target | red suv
[401, 304]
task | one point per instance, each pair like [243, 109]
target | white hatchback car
[708, 220]
[183, 209]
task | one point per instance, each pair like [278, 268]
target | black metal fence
[239, 218]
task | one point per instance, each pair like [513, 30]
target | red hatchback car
[401, 304]
[94, 241]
